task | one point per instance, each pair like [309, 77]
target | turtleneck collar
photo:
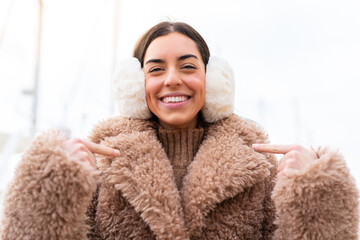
[181, 146]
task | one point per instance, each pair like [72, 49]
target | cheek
[152, 87]
[197, 85]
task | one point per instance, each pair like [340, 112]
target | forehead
[171, 45]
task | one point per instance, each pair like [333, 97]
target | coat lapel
[145, 177]
[224, 166]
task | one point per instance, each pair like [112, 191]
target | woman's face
[174, 80]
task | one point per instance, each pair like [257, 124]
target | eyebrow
[186, 56]
[158, 60]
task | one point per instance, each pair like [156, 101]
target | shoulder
[119, 125]
[248, 130]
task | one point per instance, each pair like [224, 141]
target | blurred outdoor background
[296, 64]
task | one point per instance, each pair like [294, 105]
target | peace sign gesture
[296, 158]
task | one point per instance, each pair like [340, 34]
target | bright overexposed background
[296, 63]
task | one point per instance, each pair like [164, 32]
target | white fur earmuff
[219, 90]
[129, 90]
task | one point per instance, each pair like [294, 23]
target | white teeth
[175, 99]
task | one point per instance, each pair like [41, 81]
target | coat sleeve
[320, 203]
[48, 197]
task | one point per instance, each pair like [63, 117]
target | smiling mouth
[175, 99]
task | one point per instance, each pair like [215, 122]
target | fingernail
[255, 145]
[116, 152]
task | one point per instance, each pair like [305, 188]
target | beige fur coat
[229, 192]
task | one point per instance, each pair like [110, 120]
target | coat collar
[223, 167]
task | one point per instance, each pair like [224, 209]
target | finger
[282, 164]
[287, 172]
[91, 158]
[280, 174]
[100, 149]
[273, 148]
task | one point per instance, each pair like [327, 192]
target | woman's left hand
[296, 158]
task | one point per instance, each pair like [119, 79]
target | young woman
[178, 164]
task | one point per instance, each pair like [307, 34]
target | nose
[172, 78]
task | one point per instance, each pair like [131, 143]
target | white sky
[297, 63]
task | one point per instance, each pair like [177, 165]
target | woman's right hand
[82, 152]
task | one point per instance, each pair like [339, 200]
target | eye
[189, 66]
[155, 69]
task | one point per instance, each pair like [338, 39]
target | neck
[189, 125]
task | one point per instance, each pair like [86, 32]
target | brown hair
[164, 28]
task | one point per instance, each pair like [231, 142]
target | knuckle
[83, 155]
[292, 154]
[291, 161]
[82, 147]
[296, 154]
[291, 164]
[298, 148]
[77, 140]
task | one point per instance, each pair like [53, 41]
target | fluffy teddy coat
[229, 192]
